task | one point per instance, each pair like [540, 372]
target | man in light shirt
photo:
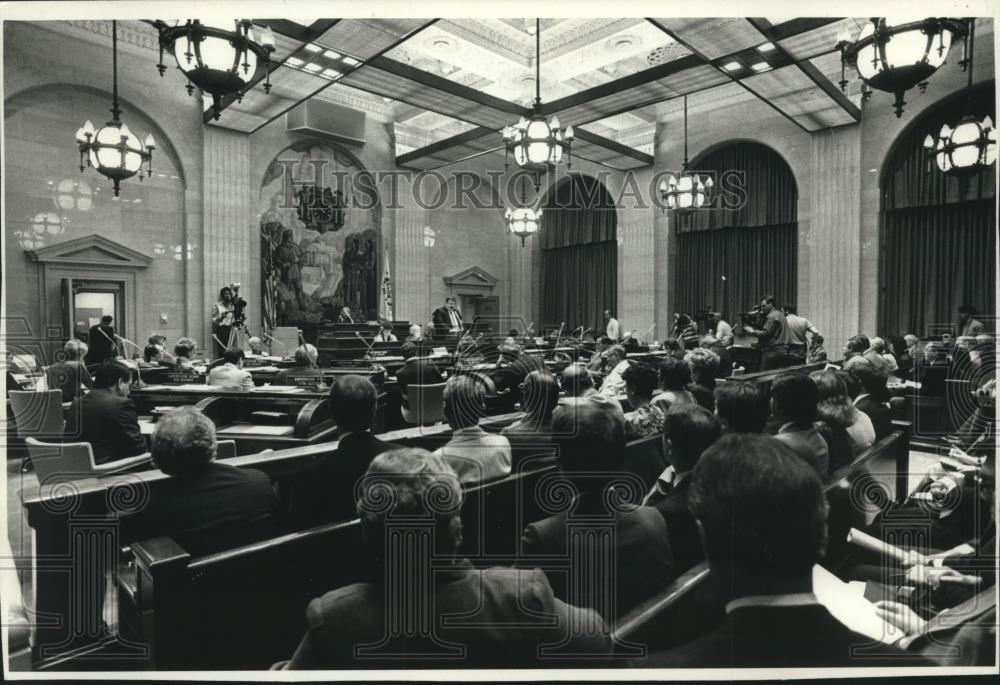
[231, 373]
[475, 455]
[614, 329]
[614, 382]
[798, 327]
[723, 331]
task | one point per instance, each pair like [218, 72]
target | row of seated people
[653, 542]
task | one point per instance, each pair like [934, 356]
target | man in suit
[474, 454]
[687, 432]
[591, 445]
[614, 383]
[447, 319]
[579, 387]
[325, 490]
[101, 342]
[70, 374]
[230, 374]
[742, 407]
[105, 417]
[497, 617]
[872, 396]
[793, 410]
[762, 516]
[205, 506]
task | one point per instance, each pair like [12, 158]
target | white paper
[847, 603]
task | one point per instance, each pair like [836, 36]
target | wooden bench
[245, 608]
[687, 608]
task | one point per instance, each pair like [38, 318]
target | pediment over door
[472, 278]
[91, 250]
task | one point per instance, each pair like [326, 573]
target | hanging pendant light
[537, 142]
[113, 149]
[893, 55]
[969, 146]
[523, 221]
[687, 191]
[221, 58]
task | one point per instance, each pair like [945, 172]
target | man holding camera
[774, 338]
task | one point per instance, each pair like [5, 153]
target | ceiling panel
[715, 37]
[820, 40]
[365, 38]
[795, 94]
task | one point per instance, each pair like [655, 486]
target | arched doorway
[579, 254]
[938, 239]
[746, 246]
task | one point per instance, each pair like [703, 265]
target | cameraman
[774, 338]
[223, 313]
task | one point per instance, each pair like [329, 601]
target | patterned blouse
[645, 421]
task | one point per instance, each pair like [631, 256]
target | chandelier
[968, 147]
[523, 221]
[221, 58]
[537, 142]
[893, 56]
[113, 149]
[688, 190]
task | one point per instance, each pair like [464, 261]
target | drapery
[579, 254]
[938, 235]
[750, 236]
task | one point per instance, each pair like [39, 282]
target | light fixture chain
[115, 111]
[538, 61]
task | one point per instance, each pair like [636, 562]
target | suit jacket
[417, 371]
[99, 347]
[808, 444]
[879, 414]
[442, 320]
[218, 507]
[767, 637]
[68, 376]
[108, 422]
[230, 376]
[703, 394]
[644, 562]
[323, 492]
[498, 615]
[685, 543]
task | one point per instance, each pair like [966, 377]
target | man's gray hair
[183, 442]
[75, 349]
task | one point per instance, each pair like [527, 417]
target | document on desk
[284, 389]
[847, 603]
[256, 429]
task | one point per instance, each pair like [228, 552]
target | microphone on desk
[138, 373]
[559, 332]
[645, 336]
[357, 334]
[283, 347]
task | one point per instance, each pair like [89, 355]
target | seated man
[205, 506]
[872, 396]
[579, 387]
[324, 491]
[614, 384]
[230, 374]
[762, 517]
[415, 334]
[71, 374]
[474, 454]
[416, 370]
[793, 409]
[105, 417]
[497, 617]
[645, 418]
[151, 354]
[591, 454]
[161, 343]
[741, 407]
[688, 431]
[183, 352]
[598, 361]
[859, 348]
[725, 368]
[304, 368]
[256, 346]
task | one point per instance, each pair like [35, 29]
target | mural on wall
[320, 242]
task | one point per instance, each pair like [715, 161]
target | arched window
[579, 250]
[745, 247]
[938, 238]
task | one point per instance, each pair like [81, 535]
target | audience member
[721, 330]
[205, 506]
[687, 432]
[598, 363]
[256, 346]
[70, 374]
[816, 353]
[872, 397]
[645, 418]
[324, 491]
[231, 374]
[183, 352]
[106, 417]
[675, 375]
[762, 516]
[506, 603]
[540, 394]
[303, 367]
[592, 446]
[474, 454]
[913, 348]
[614, 384]
[416, 369]
[704, 364]
[673, 348]
[835, 409]
[793, 406]
[160, 341]
[725, 368]
[579, 387]
[685, 331]
[880, 348]
[741, 407]
[968, 325]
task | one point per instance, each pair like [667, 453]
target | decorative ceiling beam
[288, 29]
[613, 146]
[396, 43]
[441, 145]
[809, 69]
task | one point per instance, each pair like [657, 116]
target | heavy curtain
[938, 235]
[579, 254]
[746, 246]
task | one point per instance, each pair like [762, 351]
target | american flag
[387, 287]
